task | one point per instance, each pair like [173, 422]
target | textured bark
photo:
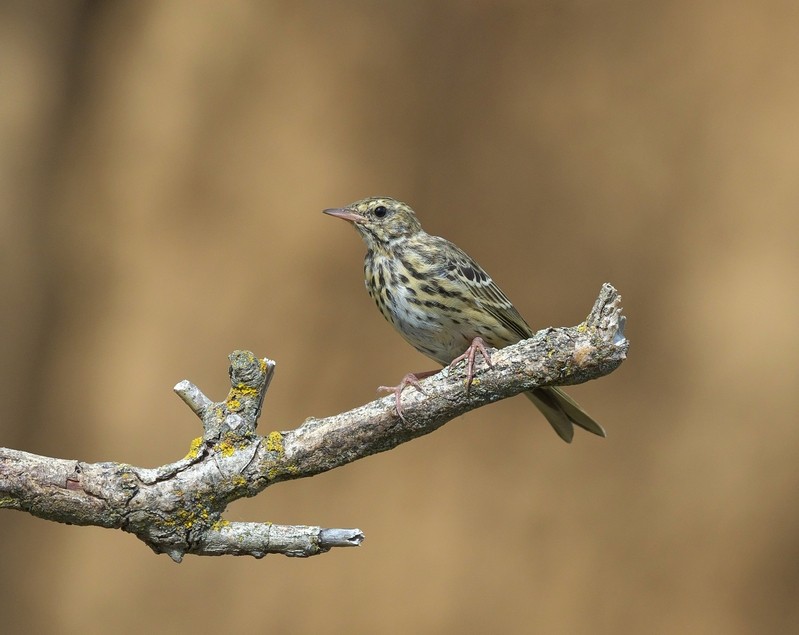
[177, 508]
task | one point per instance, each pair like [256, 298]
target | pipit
[443, 303]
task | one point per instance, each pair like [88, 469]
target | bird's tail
[562, 411]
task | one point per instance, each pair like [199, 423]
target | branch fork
[178, 508]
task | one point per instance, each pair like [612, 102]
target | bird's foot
[411, 379]
[477, 345]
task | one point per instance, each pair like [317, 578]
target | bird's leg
[477, 345]
[411, 379]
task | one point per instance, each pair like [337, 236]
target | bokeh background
[162, 170]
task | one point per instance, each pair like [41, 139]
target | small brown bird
[443, 302]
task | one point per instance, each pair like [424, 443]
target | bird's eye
[381, 211]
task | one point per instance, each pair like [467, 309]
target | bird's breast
[433, 318]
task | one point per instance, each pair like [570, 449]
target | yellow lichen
[185, 518]
[274, 442]
[239, 481]
[188, 518]
[277, 471]
[279, 468]
[245, 390]
[194, 448]
[226, 447]
[238, 394]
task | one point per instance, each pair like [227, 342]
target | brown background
[163, 169]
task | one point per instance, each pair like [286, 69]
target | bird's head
[381, 221]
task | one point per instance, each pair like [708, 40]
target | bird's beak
[346, 213]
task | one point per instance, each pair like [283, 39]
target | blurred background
[162, 170]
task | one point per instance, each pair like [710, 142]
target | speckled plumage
[439, 299]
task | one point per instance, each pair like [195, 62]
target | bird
[444, 303]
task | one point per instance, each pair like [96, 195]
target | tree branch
[177, 508]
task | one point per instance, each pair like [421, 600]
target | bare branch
[177, 508]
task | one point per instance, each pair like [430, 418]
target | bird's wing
[484, 290]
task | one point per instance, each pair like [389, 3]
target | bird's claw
[410, 379]
[477, 345]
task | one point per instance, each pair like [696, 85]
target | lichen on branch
[178, 508]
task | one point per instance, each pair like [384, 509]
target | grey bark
[178, 508]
